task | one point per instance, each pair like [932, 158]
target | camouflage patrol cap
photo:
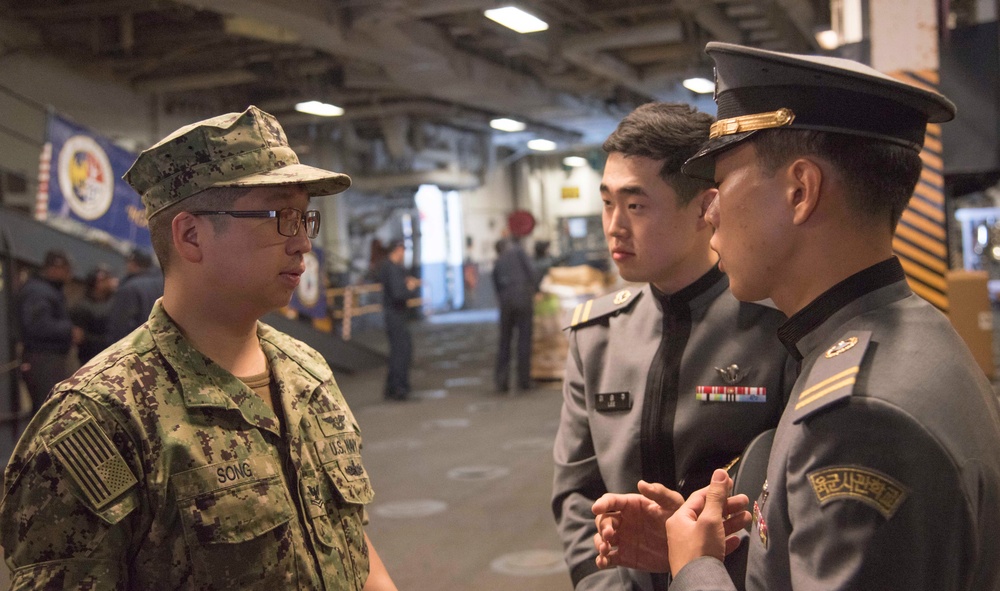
[247, 149]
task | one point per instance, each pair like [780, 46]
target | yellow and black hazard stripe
[921, 240]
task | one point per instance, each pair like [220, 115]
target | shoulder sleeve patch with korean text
[880, 491]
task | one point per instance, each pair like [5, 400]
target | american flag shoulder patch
[93, 462]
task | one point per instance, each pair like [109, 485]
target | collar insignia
[841, 347]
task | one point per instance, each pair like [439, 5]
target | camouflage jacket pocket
[339, 452]
[235, 517]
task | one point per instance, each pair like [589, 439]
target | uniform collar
[704, 289]
[204, 383]
[865, 290]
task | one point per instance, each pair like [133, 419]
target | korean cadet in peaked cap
[885, 468]
[205, 450]
[671, 377]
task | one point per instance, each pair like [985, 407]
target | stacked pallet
[561, 290]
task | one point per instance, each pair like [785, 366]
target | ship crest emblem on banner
[85, 177]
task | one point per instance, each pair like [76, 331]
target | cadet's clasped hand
[658, 531]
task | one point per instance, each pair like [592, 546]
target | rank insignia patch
[93, 462]
[883, 493]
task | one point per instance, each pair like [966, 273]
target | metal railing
[351, 305]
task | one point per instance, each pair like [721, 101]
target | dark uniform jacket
[154, 468]
[661, 388]
[44, 320]
[394, 291]
[132, 303]
[885, 469]
[514, 278]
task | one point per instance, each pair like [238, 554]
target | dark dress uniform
[661, 388]
[885, 469]
[394, 297]
[516, 283]
[46, 332]
[133, 302]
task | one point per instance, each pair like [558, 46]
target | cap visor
[702, 165]
[315, 181]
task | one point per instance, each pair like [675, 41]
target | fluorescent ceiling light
[513, 17]
[699, 85]
[575, 161]
[828, 39]
[542, 145]
[504, 124]
[318, 108]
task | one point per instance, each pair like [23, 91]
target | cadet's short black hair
[672, 132]
[880, 176]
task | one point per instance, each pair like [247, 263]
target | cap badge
[622, 296]
[841, 347]
[743, 123]
[732, 374]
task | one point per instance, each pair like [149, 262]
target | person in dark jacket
[92, 312]
[397, 289]
[514, 280]
[134, 300]
[47, 332]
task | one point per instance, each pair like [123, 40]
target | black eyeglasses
[289, 219]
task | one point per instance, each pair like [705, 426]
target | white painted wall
[484, 213]
[903, 34]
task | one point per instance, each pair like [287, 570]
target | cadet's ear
[704, 201]
[805, 178]
[184, 229]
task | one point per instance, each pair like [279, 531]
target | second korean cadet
[669, 378]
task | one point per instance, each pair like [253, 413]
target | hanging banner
[85, 184]
[309, 298]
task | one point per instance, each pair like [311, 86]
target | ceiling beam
[195, 81]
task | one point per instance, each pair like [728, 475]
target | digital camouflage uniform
[154, 468]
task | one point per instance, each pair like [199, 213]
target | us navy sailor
[668, 380]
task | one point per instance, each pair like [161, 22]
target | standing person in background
[668, 380]
[398, 288]
[514, 280]
[132, 303]
[47, 332]
[542, 262]
[92, 313]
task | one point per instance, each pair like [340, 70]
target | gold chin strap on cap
[778, 118]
